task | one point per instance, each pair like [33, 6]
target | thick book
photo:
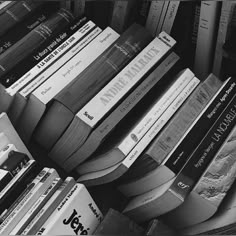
[173, 162]
[34, 39]
[87, 84]
[134, 128]
[148, 171]
[9, 130]
[76, 214]
[206, 38]
[40, 98]
[36, 207]
[172, 194]
[109, 96]
[114, 172]
[39, 219]
[159, 78]
[22, 29]
[15, 13]
[47, 67]
[211, 189]
[23, 206]
[24, 71]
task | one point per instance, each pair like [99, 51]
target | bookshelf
[199, 35]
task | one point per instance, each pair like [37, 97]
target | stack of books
[34, 199]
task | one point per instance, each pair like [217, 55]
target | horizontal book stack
[34, 199]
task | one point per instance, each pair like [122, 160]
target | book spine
[5, 152]
[206, 38]
[55, 56]
[26, 64]
[96, 108]
[28, 89]
[154, 113]
[205, 152]
[11, 37]
[77, 64]
[162, 17]
[14, 217]
[34, 39]
[49, 207]
[170, 16]
[154, 16]
[181, 154]
[79, 205]
[36, 207]
[165, 142]
[35, 181]
[5, 178]
[16, 13]
[159, 124]
[143, 12]
[4, 4]
[122, 110]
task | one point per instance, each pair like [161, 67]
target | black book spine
[182, 153]
[40, 53]
[5, 178]
[205, 151]
[18, 32]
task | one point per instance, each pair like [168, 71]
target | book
[154, 15]
[49, 207]
[148, 166]
[5, 152]
[159, 77]
[172, 194]
[106, 99]
[27, 201]
[117, 170]
[169, 165]
[225, 24]
[143, 7]
[41, 96]
[10, 132]
[5, 5]
[135, 128]
[29, 23]
[22, 71]
[206, 38]
[36, 207]
[3, 140]
[15, 13]
[47, 67]
[126, 47]
[17, 185]
[34, 39]
[76, 214]
[209, 192]
[115, 223]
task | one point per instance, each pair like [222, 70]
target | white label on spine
[153, 131]
[60, 62]
[48, 60]
[75, 66]
[96, 108]
[155, 112]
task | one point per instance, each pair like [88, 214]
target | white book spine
[75, 66]
[35, 207]
[155, 112]
[107, 98]
[170, 16]
[4, 4]
[153, 131]
[49, 207]
[60, 62]
[10, 222]
[51, 58]
[76, 214]
[154, 15]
